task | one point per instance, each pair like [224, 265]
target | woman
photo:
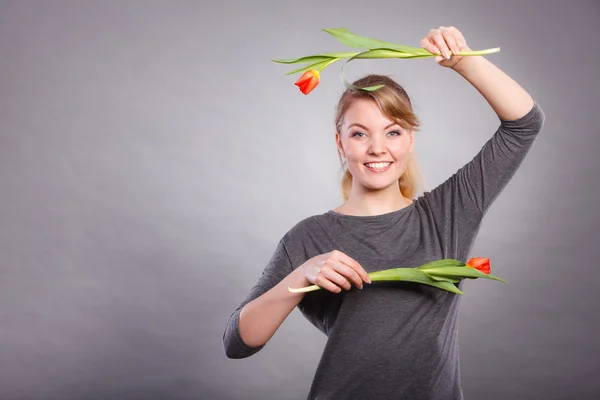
[389, 340]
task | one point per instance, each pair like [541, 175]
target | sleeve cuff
[535, 115]
[239, 347]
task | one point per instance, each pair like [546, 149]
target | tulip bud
[308, 81]
[480, 263]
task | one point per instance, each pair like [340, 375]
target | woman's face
[376, 149]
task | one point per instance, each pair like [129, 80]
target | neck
[363, 202]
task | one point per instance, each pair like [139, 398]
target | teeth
[378, 165]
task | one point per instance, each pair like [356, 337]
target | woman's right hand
[333, 271]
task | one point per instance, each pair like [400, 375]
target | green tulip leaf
[375, 53]
[449, 286]
[356, 41]
[318, 66]
[459, 272]
[372, 88]
[315, 58]
[351, 86]
[446, 262]
[443, 279]
[387, 53]
[412, 275]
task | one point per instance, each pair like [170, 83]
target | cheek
[401, 147]
[352, 152]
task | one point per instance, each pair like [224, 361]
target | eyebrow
[365, 128]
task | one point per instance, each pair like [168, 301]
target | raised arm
[460, 202]
[506, 97]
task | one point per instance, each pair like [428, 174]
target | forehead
[365, 112]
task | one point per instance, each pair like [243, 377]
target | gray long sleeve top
[395, 340]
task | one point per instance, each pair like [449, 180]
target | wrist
[467, 64]
[298, 279]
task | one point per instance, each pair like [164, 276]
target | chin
[376, 182]
[379, 185]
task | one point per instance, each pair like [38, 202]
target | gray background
[151, 156]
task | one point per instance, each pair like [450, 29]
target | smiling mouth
[378, 166]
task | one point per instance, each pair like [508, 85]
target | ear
[412, 140]
[338, 142]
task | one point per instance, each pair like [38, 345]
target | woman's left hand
[447, 42]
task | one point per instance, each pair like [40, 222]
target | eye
[395, 133]
[356, 134]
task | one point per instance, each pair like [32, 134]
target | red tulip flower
[480, 263]
[308, 81]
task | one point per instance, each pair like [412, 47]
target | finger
[429, 46]
[323, 282]
[355, 265]
[336, 278]
[460, 39]
[334, 264]
[440, 43]
[349, 273]
[450, 38]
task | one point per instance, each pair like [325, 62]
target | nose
[376, 145]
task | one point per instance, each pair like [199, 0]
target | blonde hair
[395, 104]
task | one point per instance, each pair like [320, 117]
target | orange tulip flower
[480, 263]
[308, 81]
